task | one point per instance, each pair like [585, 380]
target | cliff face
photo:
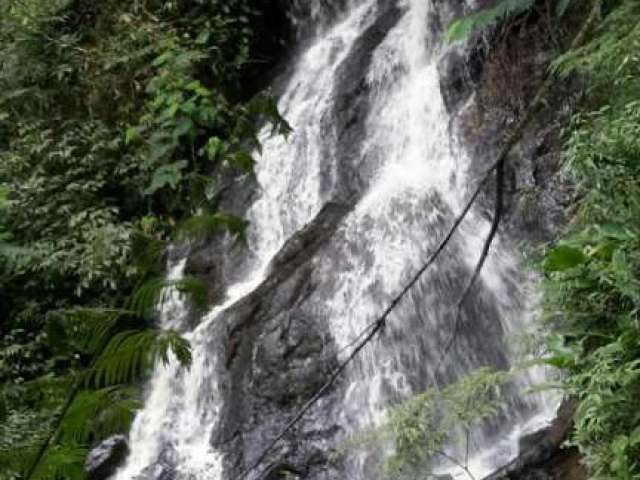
[273, 349]
[280, 353]
[487, 84]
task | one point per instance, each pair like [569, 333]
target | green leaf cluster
[592, 277]
[502, 10]
[418, 430]
[117, 121]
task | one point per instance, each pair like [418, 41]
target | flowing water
[412, 178]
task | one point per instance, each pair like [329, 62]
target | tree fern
[147, 249]
[62, 461]
[87, 329]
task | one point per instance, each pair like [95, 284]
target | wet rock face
[275, 350]
[277, 354]
[487, 84]
[542, 454]
[104, 459]
[351, 105]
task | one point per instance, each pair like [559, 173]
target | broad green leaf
[166, 176]
[563, 258]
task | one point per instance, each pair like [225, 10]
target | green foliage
[129, 355]
[205, 226]
[463, 27]
[503, 9]
[155, 293]
[419, 429]
[98, 414]
[63, 461]
[117, 119]
[592, 285]
[562, 258]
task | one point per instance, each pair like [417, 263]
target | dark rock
[346, 125]
[452, 68]
[283, 471]
[532, 440]
[105, 458]
[542, 454]
[278, 354]
[487, 84]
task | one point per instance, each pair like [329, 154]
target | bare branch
[497, 217]
[457, 463]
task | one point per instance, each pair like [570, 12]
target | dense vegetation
[116, 119]
[593, 275]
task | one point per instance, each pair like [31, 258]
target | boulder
[106, 457]
[543, 455]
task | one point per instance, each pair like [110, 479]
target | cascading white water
[180, 407]
[417, 182]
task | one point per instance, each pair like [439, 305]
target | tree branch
[497, 217]
[457, 463]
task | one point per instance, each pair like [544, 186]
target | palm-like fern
[154, 294]
[119, 358]
[130, 354]
[65, 460]
[86, 329]
[98, 414]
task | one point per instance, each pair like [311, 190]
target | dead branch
[497, 217]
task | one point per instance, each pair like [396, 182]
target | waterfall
[364, 100]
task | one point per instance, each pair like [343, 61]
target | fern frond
[98, 414]
[476, 396]
[462, 28]
[62, 461]
[129, 355]
[86, 328]
[201, 227]
[146, 251]
[155, 293]
[16, 257]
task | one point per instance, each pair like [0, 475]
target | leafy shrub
[116, 119]
[417, 431]
[592, 281]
